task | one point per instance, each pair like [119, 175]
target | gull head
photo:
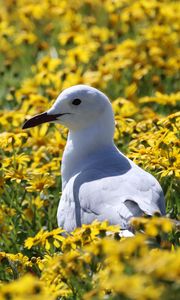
[77, 107]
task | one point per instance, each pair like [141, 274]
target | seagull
[98, 181]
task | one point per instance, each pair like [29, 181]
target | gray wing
[116, 198]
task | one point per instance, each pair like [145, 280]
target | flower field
[129, 49]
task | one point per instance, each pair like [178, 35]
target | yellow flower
[8, 140]
[26, 37]
[18, 159]
[16, 174]
[163, 99]
[42, 237]
[131, 90]
[37, 135]
[38, 202]
[162, 264]
[124, 108]
[153, 226]
[39, 182]
[26, 287]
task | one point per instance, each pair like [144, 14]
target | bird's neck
[86, 146]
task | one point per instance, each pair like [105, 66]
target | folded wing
[116, 198]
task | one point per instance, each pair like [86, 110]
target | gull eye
[76, 101]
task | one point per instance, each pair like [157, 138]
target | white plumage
[98, 181]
